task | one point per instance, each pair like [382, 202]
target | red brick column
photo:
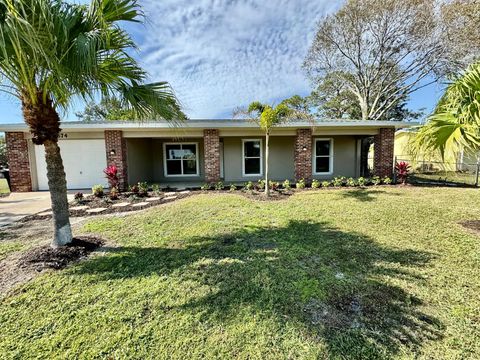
[383, 152]
[116, 148]
[303, 155]
[211, 143]
[18, 162]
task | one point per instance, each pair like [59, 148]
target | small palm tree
[455, 123]
[267, 117]
[52, 51]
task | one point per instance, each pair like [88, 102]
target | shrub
[78, 196]
[376, 180]
[351, 182]
[386, 180]
[233, 187]
[142, 189]
[97, 190]
[133, 189]
[338, 181]
[286, 185]
[205, 186]
[315, 184]
[219, 186]
[248, 186]
[300, 184]
[260, 184]
[325, 183]
[156, 189]
[273, 185]
[361, 181]
[402, 169]
[113, 194]
[111, 173]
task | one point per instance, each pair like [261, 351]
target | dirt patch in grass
[46, 257]
[260, 195]
[20, 239]
[345, 313]
[472, 225]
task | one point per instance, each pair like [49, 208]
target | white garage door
[84, 161]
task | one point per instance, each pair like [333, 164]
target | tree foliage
[461, 34]
[381, 50]
[455, 123]
[111, 109]
[62, 50]
[3, 152]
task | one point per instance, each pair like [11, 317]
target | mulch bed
[473, 225]
[47, 257]
[93, 202]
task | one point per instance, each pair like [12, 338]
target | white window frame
[252, 157]
[330, 156]
[165, 172]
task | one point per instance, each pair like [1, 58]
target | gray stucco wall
[145, 159]
[158, 168]
[281, 158]
[344, 157]
[139, 160]
[282, 164]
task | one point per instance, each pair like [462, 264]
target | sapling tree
[267, 117]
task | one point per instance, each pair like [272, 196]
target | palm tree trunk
[267, 187]
[57, 185]
[44, 124]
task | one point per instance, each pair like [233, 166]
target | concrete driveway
[18, 205]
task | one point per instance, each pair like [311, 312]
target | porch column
[383, 152]
[18, 162]
[116, 148]
[303, 155]
[211, 153]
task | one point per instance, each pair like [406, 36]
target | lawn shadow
[337, 286]
[365, 195]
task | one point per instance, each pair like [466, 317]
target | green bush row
[301, 184]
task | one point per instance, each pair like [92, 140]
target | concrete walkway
[18, 205]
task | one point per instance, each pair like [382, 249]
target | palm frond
[64, 50]
[455, 124]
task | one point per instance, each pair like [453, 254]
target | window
[181, 159]
[252, 157]
[323, 156]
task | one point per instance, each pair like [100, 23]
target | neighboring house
[199, 151]
[451, 161]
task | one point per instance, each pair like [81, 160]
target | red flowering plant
[111, 173]
[402, 170]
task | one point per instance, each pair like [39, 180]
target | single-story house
[200, 151]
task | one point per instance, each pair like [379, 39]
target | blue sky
[219, 54]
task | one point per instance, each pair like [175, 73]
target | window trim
[330, 156]
[165, 172]
[243, 157]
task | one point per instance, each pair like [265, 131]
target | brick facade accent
[18, 161]
[383, 152]
[303, 155]
[116, 148]
[211, 143]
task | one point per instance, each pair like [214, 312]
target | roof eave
[209, 124]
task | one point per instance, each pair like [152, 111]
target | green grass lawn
[377, 273]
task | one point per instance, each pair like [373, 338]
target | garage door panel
[83, 160]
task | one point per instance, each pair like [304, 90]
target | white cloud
[219, 54]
